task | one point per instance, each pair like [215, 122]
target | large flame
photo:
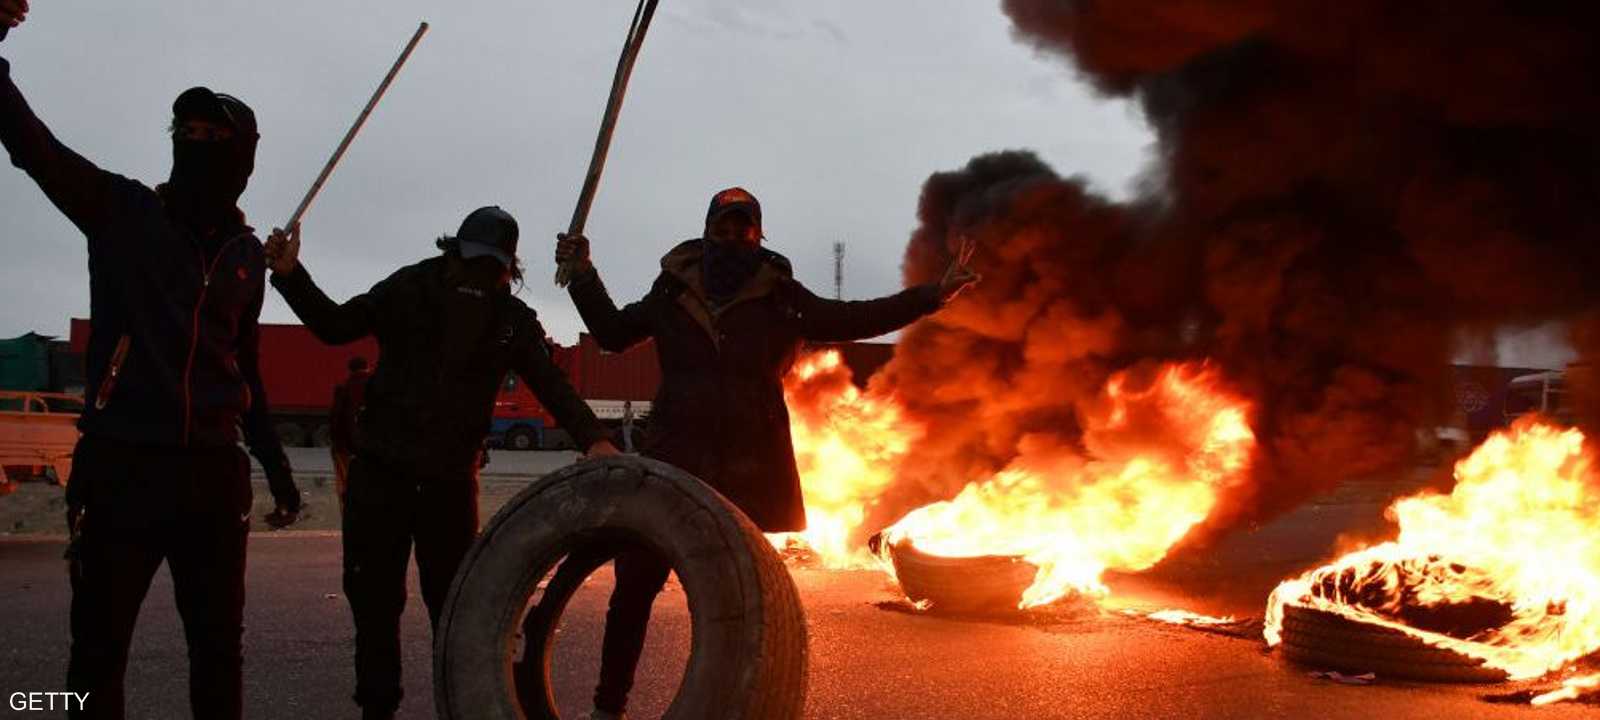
[1159, 446]
[1157, 458]
[1505, 568]
[847, 445]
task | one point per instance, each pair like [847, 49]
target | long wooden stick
[338, 153]
[608, 123]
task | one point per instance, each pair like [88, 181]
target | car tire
[991, 583]
[748, 654]
[1324, 640]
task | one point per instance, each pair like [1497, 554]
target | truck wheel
[1324, 640]
[323, 436]
[522, 437]
[747, 657]
[291, 434]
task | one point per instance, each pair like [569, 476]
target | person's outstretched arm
[532, 361]
[333, 323]
[78, 188]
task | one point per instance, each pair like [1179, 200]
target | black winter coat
[720, 412]
[429, 403]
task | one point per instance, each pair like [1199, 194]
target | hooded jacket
[720, 412]
[173, 333]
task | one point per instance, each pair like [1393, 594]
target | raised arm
[332, 323]
[74, 185]
[533, 362]
[616, 329]
[838, 321]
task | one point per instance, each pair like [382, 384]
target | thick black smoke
[1345, 193]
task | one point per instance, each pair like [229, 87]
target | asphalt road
[871, 658]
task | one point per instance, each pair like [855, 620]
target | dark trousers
[140, 506]
[386, 510]
[641, 573]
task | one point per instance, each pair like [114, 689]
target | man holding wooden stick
[176, 282]
[448, 331]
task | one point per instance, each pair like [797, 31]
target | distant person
[347, 400]
[728, 318]
[627, 426]
[448, 331]
[262, 439]
[175, 288]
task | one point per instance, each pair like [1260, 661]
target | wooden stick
[608, 124]
[338, 153]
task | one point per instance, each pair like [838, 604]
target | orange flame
[1519, 534]
[1156, 454]
[847, 445]
[1159, 457]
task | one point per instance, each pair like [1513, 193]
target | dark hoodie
[173, 331]
[719, 412]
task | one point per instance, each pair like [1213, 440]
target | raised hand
[959, 275]
[283, 248]
[573, 249]
[12, 13]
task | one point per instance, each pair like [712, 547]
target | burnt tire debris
[748, 656]
[959, 585]
[1321, 639]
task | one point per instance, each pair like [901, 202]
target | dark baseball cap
[199, 103]
[489, 231]
[734, 199]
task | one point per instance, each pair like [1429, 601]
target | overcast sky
[832, 112]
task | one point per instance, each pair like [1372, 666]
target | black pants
[142, 505]
[641, 573]
[386, 510]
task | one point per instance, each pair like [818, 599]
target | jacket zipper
[118, 356]
[194, 332]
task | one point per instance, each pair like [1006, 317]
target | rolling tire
[748, 655]
[961, 585]
[1327, 641]
[522, 438]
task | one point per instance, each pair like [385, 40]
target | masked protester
[728, 319]
[175, 287]
[448, 331]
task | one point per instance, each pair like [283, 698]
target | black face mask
[209, 177]
[728, 266]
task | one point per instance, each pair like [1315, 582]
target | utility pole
[838, 271]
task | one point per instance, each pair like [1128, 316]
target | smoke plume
[1344, 194]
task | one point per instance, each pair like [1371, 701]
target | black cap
[489, 231]
[734, 199]
[199, 103]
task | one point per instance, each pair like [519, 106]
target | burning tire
[960, 585]
[1322, 639]
[748, 656]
